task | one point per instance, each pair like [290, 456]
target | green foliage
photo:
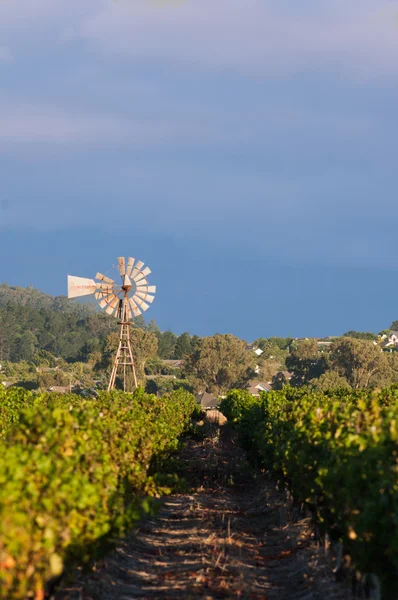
[183, 346]
[338, 452]
[306, 362]
[154, 366]
[162, 385]
[361, 362]
[166, 345]
[329, 381]
[221, 362]
[145, 346]
[31, 321]
[275, 348]
[74, 474]
[361, 335]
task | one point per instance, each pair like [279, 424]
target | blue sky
[245, 150]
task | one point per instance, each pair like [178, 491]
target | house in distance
[207, 401]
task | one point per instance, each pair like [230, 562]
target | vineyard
[76, 475]
[338, 453]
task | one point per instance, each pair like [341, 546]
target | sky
[246, 150]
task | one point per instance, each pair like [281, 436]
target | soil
[233, 535]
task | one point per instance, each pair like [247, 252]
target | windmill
[124, 302]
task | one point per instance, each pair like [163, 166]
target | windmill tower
[124, 302]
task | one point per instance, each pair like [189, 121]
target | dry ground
[233, 536]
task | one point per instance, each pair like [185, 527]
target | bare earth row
[234, 535]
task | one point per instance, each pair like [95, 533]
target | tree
[26, 346]
[154, 366]
[306, 363]
[144, 345]
[361, 335]
[221, 362]
[279, 380]
[394, 326]
[152, 327]
[274, 348]
[330, 380]
[362, 363]
[268, 369]
[183, 346]
[166, 345]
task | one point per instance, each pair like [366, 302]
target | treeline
[52, 341]
[32, 321]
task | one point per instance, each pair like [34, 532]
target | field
[78, 475]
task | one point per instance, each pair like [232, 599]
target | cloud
[26, 124]
[270, 126]
[256, 37]
[259, 38]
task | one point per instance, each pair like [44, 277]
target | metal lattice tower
[116, 301]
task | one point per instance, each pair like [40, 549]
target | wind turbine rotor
[137, 292]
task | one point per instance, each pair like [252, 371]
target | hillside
[31, 320]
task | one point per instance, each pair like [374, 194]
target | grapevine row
[74, 474]
[337, 452]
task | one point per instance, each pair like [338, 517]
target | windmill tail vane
[130, 299]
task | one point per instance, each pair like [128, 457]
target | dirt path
[233, 536]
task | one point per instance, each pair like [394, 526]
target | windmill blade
[143, 273]
[103, 294]
[142, 281]
[80, 286]
[104, 278]
[130, 265]
[134, 308]
[137, 269]
[110, 310]
[105, 287]
[142, 305]
[146, 271]
[151, 289]
[122, 266]
[112, 306]
[146, 297]
[103, 303]
[107, 300]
